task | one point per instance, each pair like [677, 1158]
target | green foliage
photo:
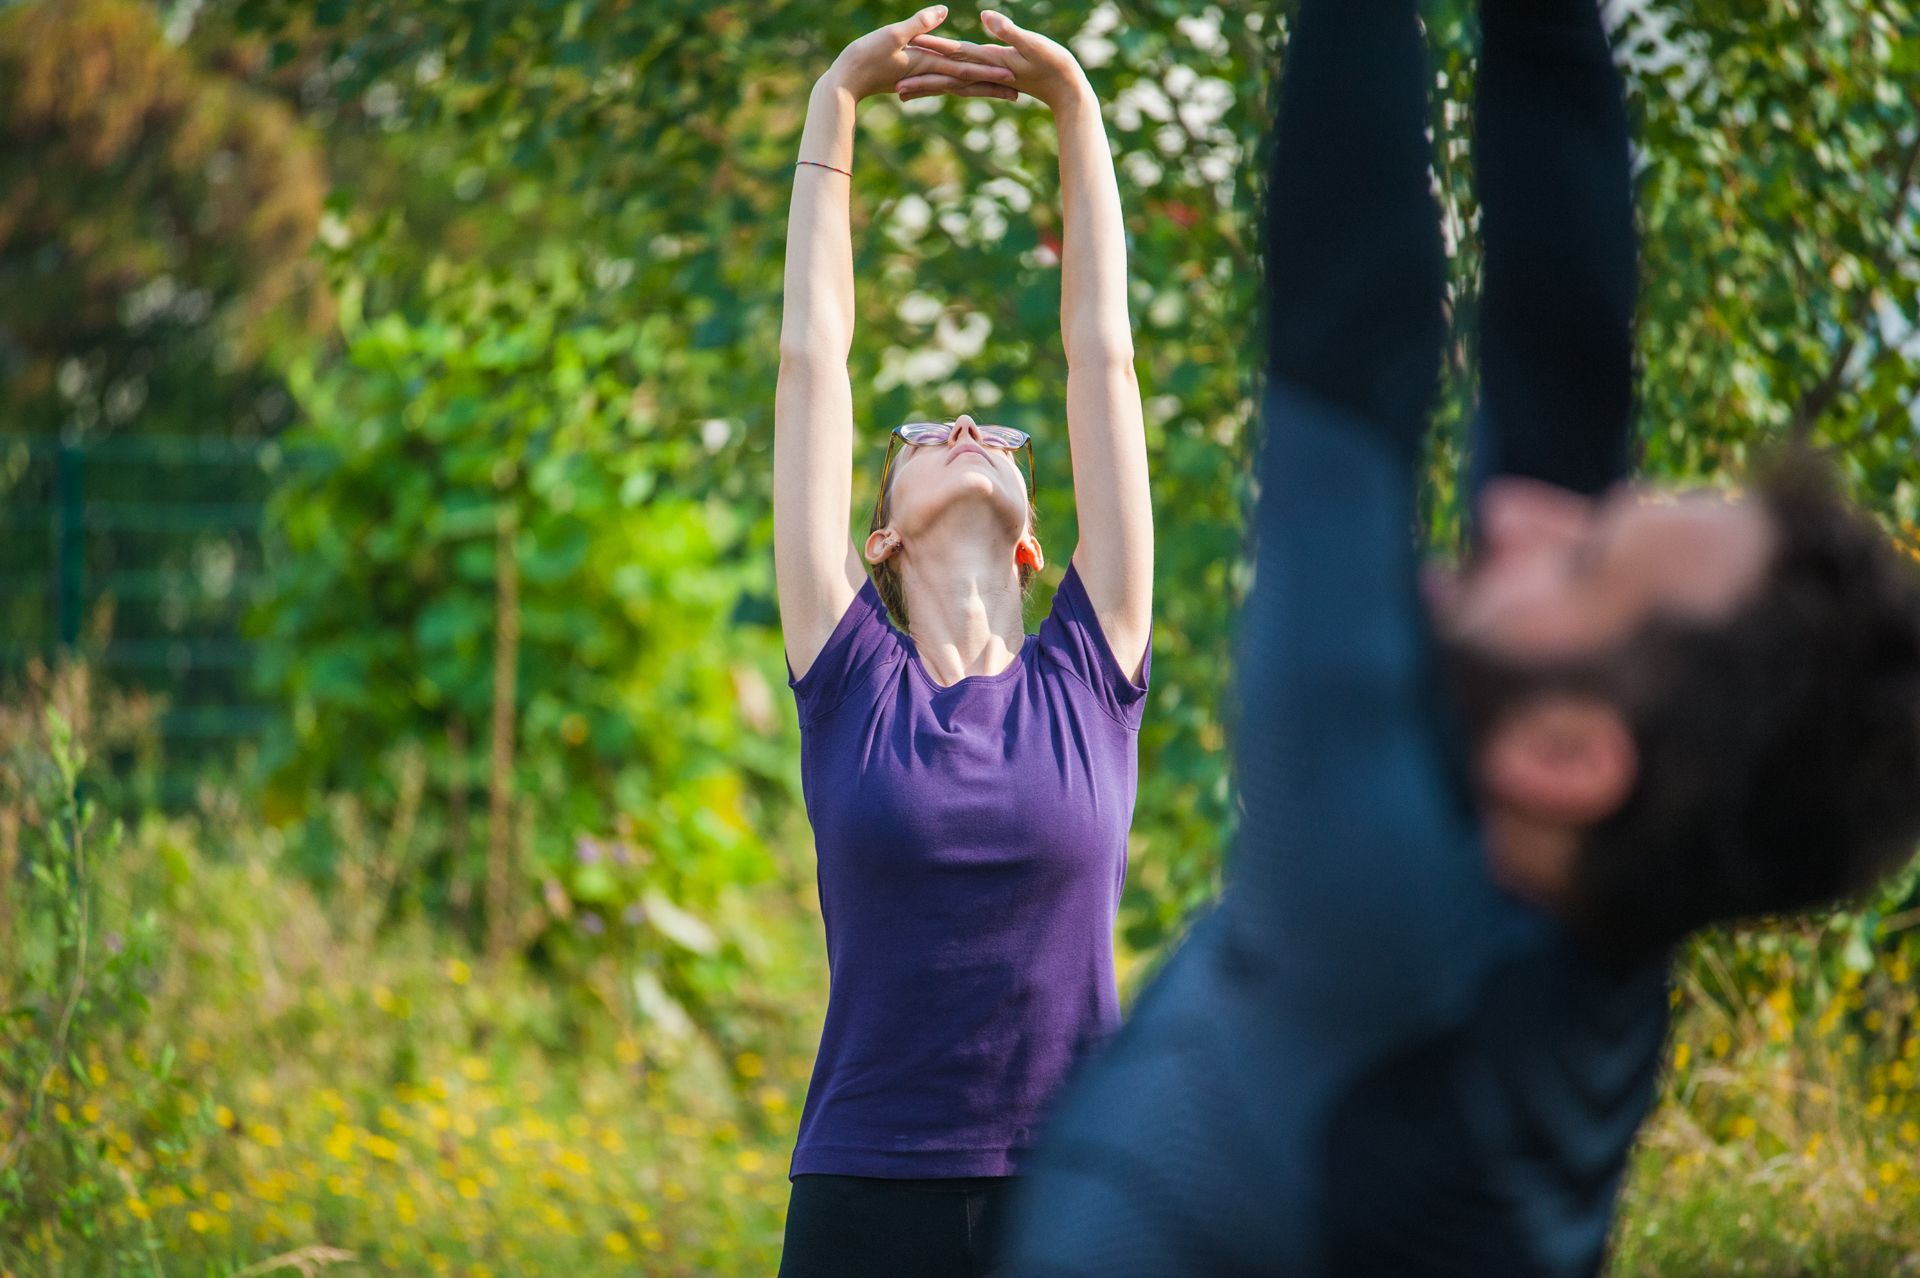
[1782, 267]
[375, 1104]
[654, 145]
[74, 973]
[508, 406]
[127, 164]
[155, 219]
[256, 1079]
[669, 223]
[555, 235]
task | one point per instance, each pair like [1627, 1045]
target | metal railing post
[69, 541]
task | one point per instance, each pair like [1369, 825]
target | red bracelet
[816, 164]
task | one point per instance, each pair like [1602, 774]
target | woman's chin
[966, 486]
[969, 507]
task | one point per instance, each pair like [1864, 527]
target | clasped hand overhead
[906, 58]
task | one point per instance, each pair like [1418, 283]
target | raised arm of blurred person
[1553, 168]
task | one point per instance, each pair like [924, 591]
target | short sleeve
[1071, 636]
[861, 640]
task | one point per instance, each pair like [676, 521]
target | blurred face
[931, 481]
[1560, 576]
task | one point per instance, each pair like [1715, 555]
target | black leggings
[869, 1227]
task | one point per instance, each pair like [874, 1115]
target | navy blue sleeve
[1348, 857]
[1554, 169]
[1351, 231]
[1350, 881]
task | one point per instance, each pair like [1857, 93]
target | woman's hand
[1038, 66]
[879, 60]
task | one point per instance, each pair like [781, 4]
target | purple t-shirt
[972, 841]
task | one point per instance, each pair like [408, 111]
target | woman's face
[931, 482]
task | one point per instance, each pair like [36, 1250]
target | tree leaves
[566, 233]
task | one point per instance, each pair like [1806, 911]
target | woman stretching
[970, 785]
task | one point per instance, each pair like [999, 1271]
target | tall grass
[214, 1066]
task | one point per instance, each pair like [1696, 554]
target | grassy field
[280, 1079]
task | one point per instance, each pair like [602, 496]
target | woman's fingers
[928, 62]
[1001, 27]
[926, 86]
[965, 50]
[920, 23]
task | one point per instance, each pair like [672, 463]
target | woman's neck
[964, 608]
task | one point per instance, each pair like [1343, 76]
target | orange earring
[1025, 555]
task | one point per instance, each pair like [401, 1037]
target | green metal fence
[158, 540]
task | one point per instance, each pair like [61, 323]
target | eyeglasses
[939, 432]
[924, 434]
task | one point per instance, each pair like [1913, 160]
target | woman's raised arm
[1104, 421]
[816, 567]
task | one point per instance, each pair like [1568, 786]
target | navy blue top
[1367, 1058]
[972, 843]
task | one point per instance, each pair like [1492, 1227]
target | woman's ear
[1563, 759]
[1027, 551]
[881, 544]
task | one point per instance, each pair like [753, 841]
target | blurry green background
[385, 446]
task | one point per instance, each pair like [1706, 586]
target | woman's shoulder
[1070, 638]
[863, 642]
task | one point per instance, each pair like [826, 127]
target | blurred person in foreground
[1418, 1032]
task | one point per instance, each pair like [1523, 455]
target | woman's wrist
[1077, 99]
[832, 86]
[827, 137]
